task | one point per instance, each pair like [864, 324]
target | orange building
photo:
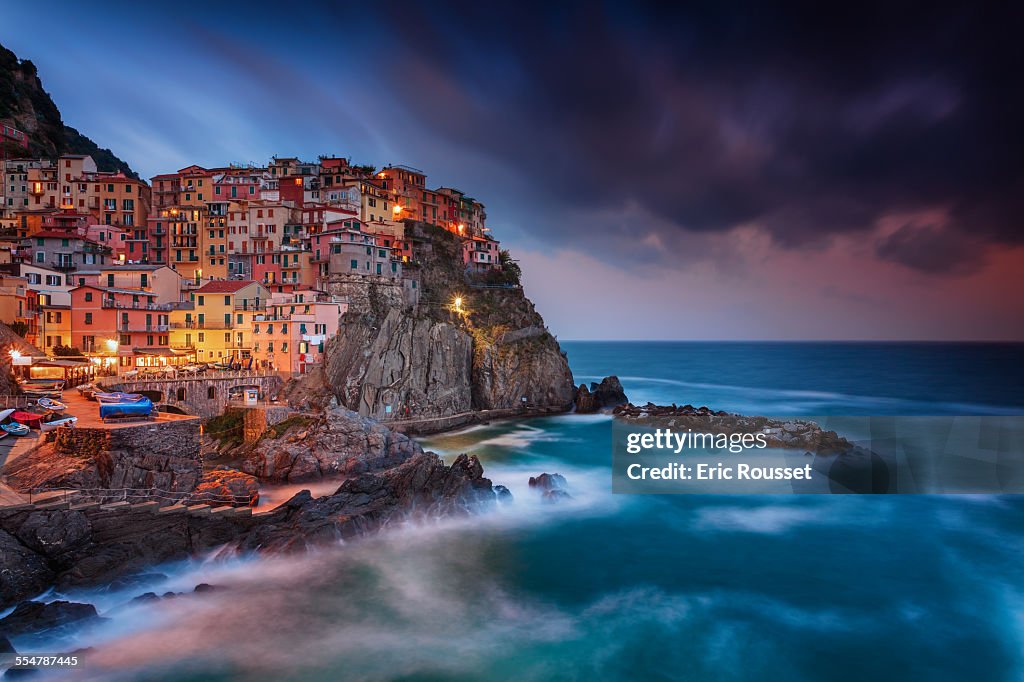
[114, 322]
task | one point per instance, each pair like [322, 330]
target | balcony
[142, 327]
[206, 324]
[63, 265]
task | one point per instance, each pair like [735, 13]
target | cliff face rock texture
[25, 105]
[338, 443]
[164, 457]
[412, 363]
[433, 360]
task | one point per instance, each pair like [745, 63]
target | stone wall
[258, 419]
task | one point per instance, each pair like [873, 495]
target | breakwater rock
[600, 396]
[788, 433]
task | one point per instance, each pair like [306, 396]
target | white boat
[4, 414]
[57, 423]
[51, 404]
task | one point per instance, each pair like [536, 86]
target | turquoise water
[637, 587]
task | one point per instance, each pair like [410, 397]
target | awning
[163, 352]
[61, 362]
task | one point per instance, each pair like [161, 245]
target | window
[88, 296]
[211, 393]
[88, 318]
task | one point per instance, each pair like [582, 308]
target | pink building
[290, 337]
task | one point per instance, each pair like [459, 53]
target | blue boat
[15, 429]
[142, 407]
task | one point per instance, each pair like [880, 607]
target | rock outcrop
[609, 393]
[32, 617]
[223, 485]
[399, 359]
[792, 433]
[338, 443]
[23, 573]
[422, 485]
[390, 479]
[163, 458]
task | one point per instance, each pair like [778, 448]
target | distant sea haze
[812, 378]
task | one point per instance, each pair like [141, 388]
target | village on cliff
[245, 267]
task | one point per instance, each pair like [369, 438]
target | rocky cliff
[25, 105]
[430, 359]
[146, 457]
[64, 547]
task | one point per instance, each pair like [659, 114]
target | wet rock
[224, 486]
[503, 494]
[32, 617]
[207, 587]
[600, 396]
[6, 647]
[556, 495]
[546, 482]
[23, 573]
[147, 596]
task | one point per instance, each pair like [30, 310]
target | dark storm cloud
[934, 250]
[810, 122]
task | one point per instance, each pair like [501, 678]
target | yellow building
[217, 322]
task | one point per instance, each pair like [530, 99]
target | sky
[703, 172]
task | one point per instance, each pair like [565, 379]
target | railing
[141, 327]
[218, 325]
[8, 401]
[139, 495]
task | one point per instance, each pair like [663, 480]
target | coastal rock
[138, 458]
[23, 573]
[6, 647]
[32, 617]
[547, 482]
[340, 443]
[608, 393]
[422, 485]
[226, 486]
[391, 359]
[556, 495]
[503, 494]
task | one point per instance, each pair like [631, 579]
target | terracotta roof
[224, 286]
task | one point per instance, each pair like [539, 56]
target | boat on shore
[140, 408]
[15, 429]
[54, 424]
[51, 404]
[118, 397]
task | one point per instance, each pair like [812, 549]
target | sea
[626, 587]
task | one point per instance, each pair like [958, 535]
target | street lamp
[112, 345]
[457, 303]
[15, 354]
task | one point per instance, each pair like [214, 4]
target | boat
[50, 404]
[4, 414]
[117, 397]
[55, 424]
[142, 407]
[28, 419]
[15, 429]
